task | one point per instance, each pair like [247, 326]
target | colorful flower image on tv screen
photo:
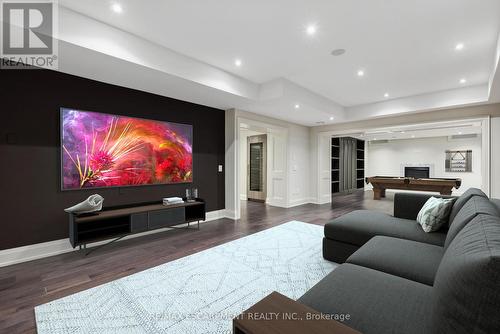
[103, 150]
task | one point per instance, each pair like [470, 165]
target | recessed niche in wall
[348, 164]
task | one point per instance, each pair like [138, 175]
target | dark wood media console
[117, 222]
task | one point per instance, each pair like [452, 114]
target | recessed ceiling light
[297, 106]
[361, 73]
[463, 80]
[413, 136]
[332, 118]
[238, 62]
[117, 8]
[311, 29]
[386, 95]
[460, 132]
[374, 138]
[403, 132]
[338, 52]
[459, 46]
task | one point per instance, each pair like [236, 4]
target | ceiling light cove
[238, 62]
[311, 29]
[459, 46]
[361, 73]
[117, 8]
[463, 81]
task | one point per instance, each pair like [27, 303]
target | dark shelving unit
[360, 163]
[336, 157]
[335, 164]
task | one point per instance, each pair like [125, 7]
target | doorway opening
[420, 150]
[256, 168]
[253, 165]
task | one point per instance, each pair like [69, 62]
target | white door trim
[273, 176]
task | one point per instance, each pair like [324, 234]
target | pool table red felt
[381, 183]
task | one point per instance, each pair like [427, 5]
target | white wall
[230, 167]
[244, 134]
[287, 187]
[495, 157]
[298, 158]
[299, 161]
[386, 158]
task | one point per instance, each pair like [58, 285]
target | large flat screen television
[103, 150]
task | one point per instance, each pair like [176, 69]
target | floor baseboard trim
[322, 200]
[302, 201]
[46, 249]
[231, 214]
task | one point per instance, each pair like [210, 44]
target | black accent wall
[31, 202]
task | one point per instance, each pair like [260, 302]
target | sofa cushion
[496, 203]
[409, 259]
[337, 251]
[474, 206]
[466, 289]
[408, 205]
[464, 198]
[376, 302]
[359, 226]
[435, 213]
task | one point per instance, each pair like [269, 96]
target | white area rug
[200, 293]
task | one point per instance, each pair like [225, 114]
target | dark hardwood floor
[25, 285]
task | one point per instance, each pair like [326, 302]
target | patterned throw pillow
[435, 213]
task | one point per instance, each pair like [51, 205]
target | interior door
[256, 168]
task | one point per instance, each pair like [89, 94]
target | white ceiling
[405, 47]
[186, 50]
[451, 129]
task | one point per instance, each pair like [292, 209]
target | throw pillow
[435, 213]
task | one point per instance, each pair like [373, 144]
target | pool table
[381, 183]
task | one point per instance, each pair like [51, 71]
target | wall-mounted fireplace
[417, 172]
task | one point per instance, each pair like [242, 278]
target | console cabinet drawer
[139, 222]
[165, 218]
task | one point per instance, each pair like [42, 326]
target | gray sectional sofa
[396, 278]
